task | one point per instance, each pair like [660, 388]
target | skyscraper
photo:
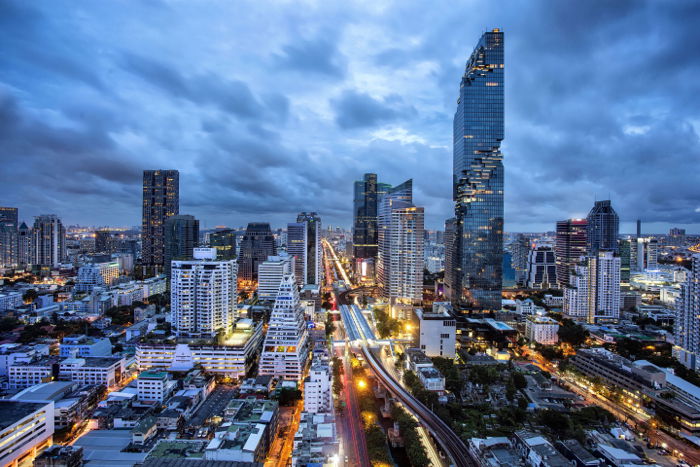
[603, 228]
[181, 233]
[570, 246]
[687, 323]
[225, 243]
[286, 346]
[593, 293]
[452, 265]
[364, 226]
[365, 242]
[304, 243]
[270, 274]
[8, 237]
[203, 294]
[541, 268]
[400, 260]
[296, 248]
[478, 174]
[48, 242]
[257, 244]
[23, 239]
[161, 200]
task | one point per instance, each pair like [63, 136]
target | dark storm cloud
[319, 55]
[266, 113]
[231, 95]
[355, 109]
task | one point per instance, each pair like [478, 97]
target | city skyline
[380, 101]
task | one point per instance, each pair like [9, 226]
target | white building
[400, 258]
[285, 349]
[96, 275]
[316, 441]
[593, 293]
[18, 353]
[96, 371]
[10, 301]
[154, 386]
[241, 443]
[233, 358]
[304, 244]
[542, 329]
[431, 378]
[317, 389]
[203, 294]
[527, 307]
[437, 331]
[687, 324]
[270, 275]
[26, 430]
[48, 241]
[644, 254]
[85, 346]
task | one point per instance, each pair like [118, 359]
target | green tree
[572, 333]
[29, 296]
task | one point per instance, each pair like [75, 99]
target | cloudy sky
[269, 108]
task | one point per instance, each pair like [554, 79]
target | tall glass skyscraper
[478, 176]
[161, 200]
[603, 228]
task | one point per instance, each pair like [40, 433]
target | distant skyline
[267, 112]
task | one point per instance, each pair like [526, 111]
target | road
[450, 442]
[634, 416]
[213, 405]
[354, 432]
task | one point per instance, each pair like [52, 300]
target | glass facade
[161, 200]
[603, 228]
[570, 246]
[225, 243]
[364, 231]
[478, 175]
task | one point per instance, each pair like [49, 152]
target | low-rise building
[316, 441]
[437, 331]
[431, 378]
[26, 429]
[10, 301]
[232, 358]
[242, 443]
[107, 371]
[85, 346]
[542, 329]
[494, 452]
[318, 396]
[154, 386]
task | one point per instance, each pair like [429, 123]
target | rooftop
[11, 411]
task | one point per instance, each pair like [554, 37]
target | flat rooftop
[13, 411]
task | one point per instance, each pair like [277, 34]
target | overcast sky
[269, 108]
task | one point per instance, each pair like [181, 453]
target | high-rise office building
[400, 260]
[520, 250]
[603, 226]
[8, 237]
[224, 241]
[541, 268]
[48, 242]
[203, 294]
[625, 262]
[478, 174]
[570, 246]
[23, 242]
[639, 228]
[452, 265]
[181, 234]
[304, 243]
[365, 242]
[593, 293]
[687, 323]
[161, 200]
[296, 248]
[257, 244]
[644, 254]
[104, 241]
[271, 273]
[286, 346]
